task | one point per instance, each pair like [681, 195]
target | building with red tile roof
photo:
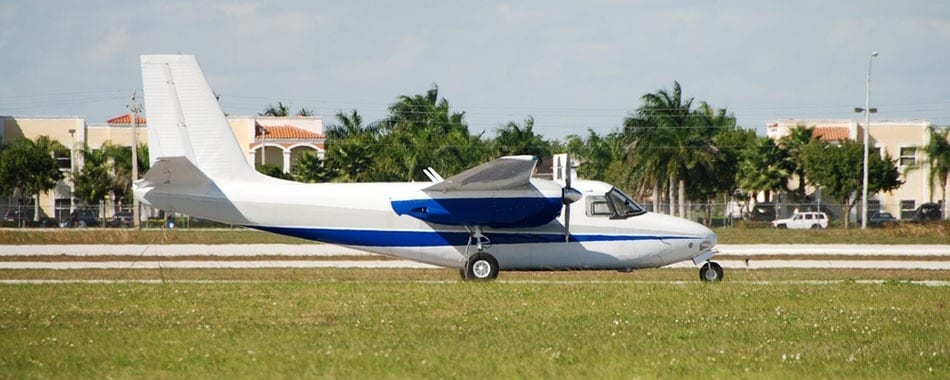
[902, 140]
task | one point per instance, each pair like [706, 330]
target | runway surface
[936, 257]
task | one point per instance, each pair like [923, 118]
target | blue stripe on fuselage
[496, 212]
[402, 238]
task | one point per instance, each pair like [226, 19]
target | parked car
[928, 212]
[121, 219]
[803, 220]
[881, 219]
[83, 218]
[13, 215]
[763, 212]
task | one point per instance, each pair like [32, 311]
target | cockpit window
[621, 205]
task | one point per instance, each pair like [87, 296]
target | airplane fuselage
[363, 216]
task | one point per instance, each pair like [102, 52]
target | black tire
[816, 226]
[711, 272]
[781, 226]
[481, 267]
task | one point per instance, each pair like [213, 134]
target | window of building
[874, 205]
[63, 160]
[908, 155]
[907, 209]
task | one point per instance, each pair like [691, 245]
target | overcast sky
[572, 65]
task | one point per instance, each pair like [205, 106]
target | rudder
[185, 119]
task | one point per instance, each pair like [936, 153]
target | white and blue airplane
[488, 218]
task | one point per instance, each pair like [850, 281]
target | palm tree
[421, 131]
[666, 142]
[797, 139]
[513, 139]
[761, 168]
[938, 153]
[280, 110]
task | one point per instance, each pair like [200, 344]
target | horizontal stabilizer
[176, 171]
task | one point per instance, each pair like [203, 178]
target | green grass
[425, 324]
[904, 234]
[935, 233]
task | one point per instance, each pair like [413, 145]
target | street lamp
[72, 171]
[867, 125]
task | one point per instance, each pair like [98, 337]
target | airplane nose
[709, 237]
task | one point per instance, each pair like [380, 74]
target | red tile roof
[831, 133]
[287, 132]
[124, 119]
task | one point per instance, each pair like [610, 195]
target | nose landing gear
[710, 272]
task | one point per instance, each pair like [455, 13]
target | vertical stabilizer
[185, 119]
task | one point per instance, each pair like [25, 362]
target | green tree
[797, 139]
[279, 110]
[310, 168]
[761, 168]
[273, 171]
[30, 167]
[838, 169]
[599, 157]
[351, 148]
[938, 158]
[513, 139]
[283, 110]
[94, 181]
[421, 131]
[667, 139]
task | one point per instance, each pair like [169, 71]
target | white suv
[803, 220]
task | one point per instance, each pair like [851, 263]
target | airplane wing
[509, 172]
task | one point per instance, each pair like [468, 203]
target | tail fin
[185, 119]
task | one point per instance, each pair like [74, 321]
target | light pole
[72, 171]
[133, 114]
[867, 125]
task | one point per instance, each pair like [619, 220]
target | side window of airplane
[622, 206]
[597, 206]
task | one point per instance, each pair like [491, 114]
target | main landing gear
[710, 272]
[481, 266]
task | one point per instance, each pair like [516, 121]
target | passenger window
[808, 216]
[597, 206]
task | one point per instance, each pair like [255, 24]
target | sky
[571, 65]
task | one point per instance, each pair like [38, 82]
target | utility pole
[133, 114]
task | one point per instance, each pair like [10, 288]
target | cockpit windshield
[622, 206]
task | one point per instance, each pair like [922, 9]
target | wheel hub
[481, 269]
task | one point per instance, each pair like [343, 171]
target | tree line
[670, 148]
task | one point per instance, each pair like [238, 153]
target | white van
[803, 220]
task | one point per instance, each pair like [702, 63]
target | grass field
[425, 324]
[903, 234]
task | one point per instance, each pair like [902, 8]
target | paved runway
[150, 256]
[750, 250]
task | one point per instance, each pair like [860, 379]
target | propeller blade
[567, 170]
[568, 195]
[567, 223]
